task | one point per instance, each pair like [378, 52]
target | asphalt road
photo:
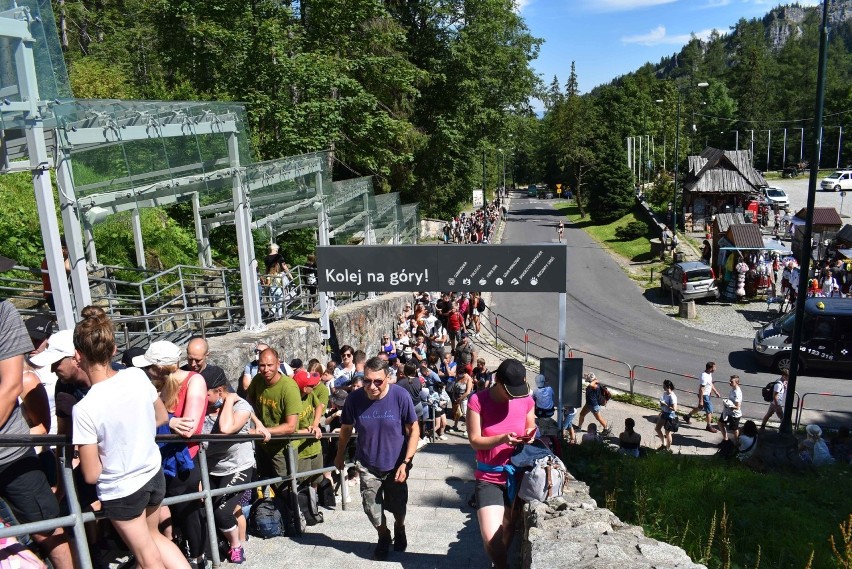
[797, 192]
[609, 317]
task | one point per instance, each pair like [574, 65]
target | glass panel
[51, 73]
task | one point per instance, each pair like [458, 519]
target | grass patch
[634, 250]
[723, 514]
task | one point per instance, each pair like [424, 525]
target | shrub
[631, 231]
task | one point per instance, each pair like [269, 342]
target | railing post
[526, 346]
[799, 408]
[496, 330]
[344, 487]
[292, 460]
[81, 546]
[632, 377]
[208, 506]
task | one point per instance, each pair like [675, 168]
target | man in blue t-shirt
[383, 415]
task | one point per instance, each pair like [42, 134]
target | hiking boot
[400, 542]
[236, 555]
[687, 419]
[382, 547]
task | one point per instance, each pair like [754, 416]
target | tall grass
[723, 514]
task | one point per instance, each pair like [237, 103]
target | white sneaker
[464, 432]
[422, 443]
[442, 438]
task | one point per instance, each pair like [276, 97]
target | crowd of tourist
[476, 227]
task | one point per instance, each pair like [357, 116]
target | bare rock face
[572, 532]
[785, 22]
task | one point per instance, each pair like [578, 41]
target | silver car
[689, 281]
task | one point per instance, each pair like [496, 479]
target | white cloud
[521, 4]
[716, 3]
[659, 36]
[625, 5]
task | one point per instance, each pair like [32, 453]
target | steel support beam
[245, 243]
[138, 243]
[325, 305]
[202, 239]
[73, 235]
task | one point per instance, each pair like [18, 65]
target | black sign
[572, 384]
[399, 268]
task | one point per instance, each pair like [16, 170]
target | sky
[608, 38]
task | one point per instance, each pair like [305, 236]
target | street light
[677, 157]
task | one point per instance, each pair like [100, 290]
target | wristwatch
[406, 461]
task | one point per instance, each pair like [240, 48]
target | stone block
[687, 309]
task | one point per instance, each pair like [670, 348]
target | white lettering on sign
[476, 270]
[458, 272]
[395, 278]
[512, 266]
[491, 272]
[530, 265]
[547, 264]
[345, 276]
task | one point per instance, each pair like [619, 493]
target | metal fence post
[496, 329]
[526, 346]
[208, 506]
[292, 462]
[81, 546]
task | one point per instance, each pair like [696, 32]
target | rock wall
[432, 228]
[572, 532]
[359, 325]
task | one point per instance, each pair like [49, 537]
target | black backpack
[768, 391]
[309, 506]
[265, 519]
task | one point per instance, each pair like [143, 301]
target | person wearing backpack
[776, 404]
[499, 419]
[595, 399]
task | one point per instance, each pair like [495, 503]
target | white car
[776, 196]
[840, 180]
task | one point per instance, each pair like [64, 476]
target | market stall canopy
[769, 244]
[846, 253]
[823, 217]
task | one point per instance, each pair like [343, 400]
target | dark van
[532, 191]
[826, 337]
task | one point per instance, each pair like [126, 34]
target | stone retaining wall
[572, 532]
[359, 325]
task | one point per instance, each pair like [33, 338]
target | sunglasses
[346, 355]
[373, 382]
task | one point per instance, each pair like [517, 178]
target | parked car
[532, 191]
[776, 197]
[840, 180]
[826, 337]
[690, 280]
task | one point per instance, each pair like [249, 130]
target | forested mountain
[409, 91]
[761, 96]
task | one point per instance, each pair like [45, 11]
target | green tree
[611, 185]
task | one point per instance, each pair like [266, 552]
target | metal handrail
[77, 518]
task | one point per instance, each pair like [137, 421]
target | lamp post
[677, 158]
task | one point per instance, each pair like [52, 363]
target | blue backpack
[265, 519]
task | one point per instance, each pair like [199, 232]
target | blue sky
[608, 38]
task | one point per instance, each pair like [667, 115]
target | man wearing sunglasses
[383, 415]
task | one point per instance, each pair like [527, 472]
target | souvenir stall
[751, 263]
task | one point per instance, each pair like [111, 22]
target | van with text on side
[826, 337]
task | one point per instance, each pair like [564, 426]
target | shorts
[491, 494]
[24, 487]
[731, 422]
[309, 463]
[594, 407]
[380, 493]
[568, 419]
[131, 507]
[271, 466]
[706, 404]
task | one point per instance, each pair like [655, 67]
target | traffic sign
[397, 268]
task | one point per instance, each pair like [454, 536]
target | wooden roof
[722, 172]
[745, 235]
[822, 216]
[725, 220]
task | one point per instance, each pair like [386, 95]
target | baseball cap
[40, 327]
[296, 363]
[59, 345]
[6, 263]
[128, 355]
[338, 398]
[304, 379]
[161, 353]
[513, 375]
[214, 376]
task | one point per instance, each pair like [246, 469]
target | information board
[485, 268]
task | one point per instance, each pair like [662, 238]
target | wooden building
[717, 181]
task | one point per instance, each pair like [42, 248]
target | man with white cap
[73, 383]
[23, 484]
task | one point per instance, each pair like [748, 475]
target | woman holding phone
[499, 419]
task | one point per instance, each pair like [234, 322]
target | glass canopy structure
[112, 156]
